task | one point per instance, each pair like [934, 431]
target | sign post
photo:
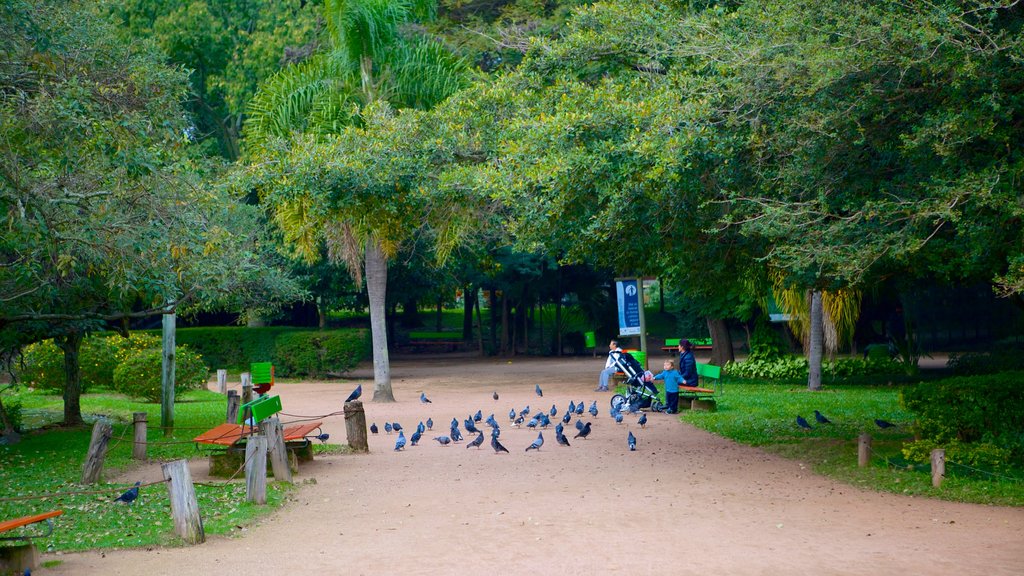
[630, 296]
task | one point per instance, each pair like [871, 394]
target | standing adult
[609, 367]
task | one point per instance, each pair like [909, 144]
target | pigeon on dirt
[593, 409]
[562, 439]
[479, 416]
[572, 407]
[567, 417]
[497, 445]
[801, 422]
[579, 424]
[538, 390]
[821, 418]
[618, 417]
[373, 428]
[477, 441]
[553, 412]
[631, 441]
[355, 394]
[421, 428]
[512, 414]
[443, 440]
[495, 395]
[584, 432]
[424, 399]
[536, 443]
[387, 427]
[455, 434]
[430, 423]
[533, 422]
[579, 408]
[130, 495]
[643, 420]
[414, 440]
[470, 426]
[396, 427]
[400, 443]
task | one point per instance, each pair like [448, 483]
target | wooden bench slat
[299, 431]
[26, 520]
[230, 434]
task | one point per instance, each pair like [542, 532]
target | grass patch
[42, 472]
[761, 414]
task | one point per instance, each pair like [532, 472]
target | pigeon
[544, 421]
[355, 394]
[443, 440]
[470, 426]
[130, 495]
[579, 409]
[323, 437]
[387, 427]
[593, 409]
[497, 445]
[643, 420]
[512, 414]
[495, 432]
[456, 435]
[533, 422]
[421, 428]
[883, 424]
[559, 430]
[495, 395]
[526, 410]
[631, 441]
[415, 438]
[396, 427]
[373, 428]
[584, 432]
[491, 421]
[477, 441]
[579, 424]
[538, 390]
[400, 443]
[553, 411]
[567, 417]
[424, 399]
[455, 423]
[821, 418]
[562, 439]
[572, 407]
[618, 417]
[478, 416]
[802, 423]
[518, 421]
[536, 443]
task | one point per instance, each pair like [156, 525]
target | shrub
[319, 353]
[770, 368]
[140, 374]
[981, 454]
[1004, 358]
[971, 409]
[15, 414]
[44, 367]
[44, 364]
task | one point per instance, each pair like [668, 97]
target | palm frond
[300, 227]
[423, 72]
[364, 28]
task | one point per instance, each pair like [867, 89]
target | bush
[44, 364]
[15, 414]
[770, 368]
[320, 353]
[140, 374]
[44, 367]
[971, 409]
[1004, 358]
[981, 455]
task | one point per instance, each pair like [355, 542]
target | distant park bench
[672, 344]
[434, 340]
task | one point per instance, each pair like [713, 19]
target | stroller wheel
[617, 401]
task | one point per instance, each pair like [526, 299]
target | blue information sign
[628, 292]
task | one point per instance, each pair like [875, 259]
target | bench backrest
[709, 371]
[260, 409]
[262, 372]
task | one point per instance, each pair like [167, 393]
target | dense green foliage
[140, 374]
[100, 354]
[320, 353]
[986, 412]
[1005, 358]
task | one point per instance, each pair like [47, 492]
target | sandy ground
[686, 502]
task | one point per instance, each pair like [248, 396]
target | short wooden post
[101, 432]
[863, 449]
[246, 388]
[355, 426]
[233, 402]
[222, 381]
[188, 524]
[139, 446]
[938, 466]
[271, 428]
[256, 469]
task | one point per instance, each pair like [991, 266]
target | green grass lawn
[42, 473]
[764, 415]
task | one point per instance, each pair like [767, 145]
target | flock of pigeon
[822, 419]
[538, 421]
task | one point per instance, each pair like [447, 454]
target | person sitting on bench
[609, 367]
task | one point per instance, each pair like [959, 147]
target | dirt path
[686, 502]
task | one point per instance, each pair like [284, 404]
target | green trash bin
[640, 356]
[590, 339]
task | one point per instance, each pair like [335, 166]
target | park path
[686, 502]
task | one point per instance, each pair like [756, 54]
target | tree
[107, 214]
[334, 102]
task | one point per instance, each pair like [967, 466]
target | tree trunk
[439, 324]
[493, 302]
[558, 315]
[71, 345]
[721, 351]
[504, 323]
[468, 300]
[321, 313]
[376, 290]
[8, 432]
[815, 348]
[411, 314]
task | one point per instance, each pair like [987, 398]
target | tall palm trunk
[815, 350]
[376, 290]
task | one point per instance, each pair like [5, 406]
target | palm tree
[375, 56]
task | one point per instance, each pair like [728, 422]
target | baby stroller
[640, 391]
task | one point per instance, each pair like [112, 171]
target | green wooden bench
[672, 344]
[702, 397]
[429, 340]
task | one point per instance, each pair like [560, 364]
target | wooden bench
[230, 435]
[702, 397]
[672, 344]
[24, 556]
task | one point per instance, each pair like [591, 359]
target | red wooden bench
[27, 520]
[229, 434]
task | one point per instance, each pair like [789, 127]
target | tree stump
[188, 524]
[271, 428]
[233, 402]
[256, 469]
[355, 426]
[101, 432]
[139, 445]
[863, 449]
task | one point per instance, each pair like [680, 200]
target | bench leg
[704, 404]
[15, 559]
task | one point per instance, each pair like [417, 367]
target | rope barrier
[76, 492]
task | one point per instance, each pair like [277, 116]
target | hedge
[140, 375]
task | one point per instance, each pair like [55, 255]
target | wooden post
[233, 401]
[863, 449]
[101, 432]
[139, 446]
[222, 381]
[184, 507]
[355, 426]
[246, 388]
[271, 428]
[938, 466]
[256, 469]
[167, 375]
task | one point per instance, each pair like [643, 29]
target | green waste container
[590, 339]
[640, 356]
